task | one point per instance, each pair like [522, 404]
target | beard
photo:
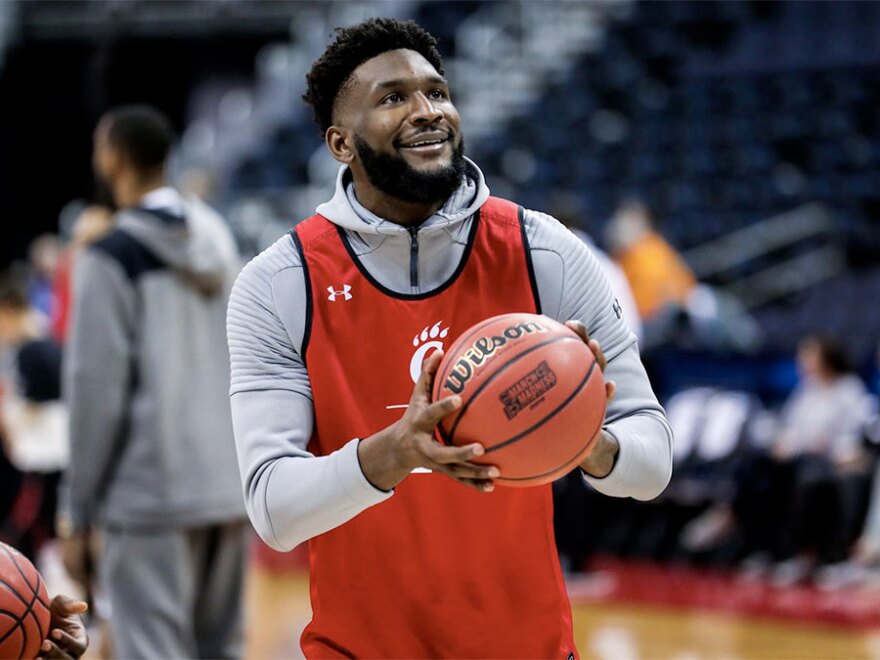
[395, 177]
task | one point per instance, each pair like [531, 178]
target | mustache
[450, 135]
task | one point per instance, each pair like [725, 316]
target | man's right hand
[388, 456]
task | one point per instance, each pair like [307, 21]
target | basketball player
[333, 331]
[152, 453]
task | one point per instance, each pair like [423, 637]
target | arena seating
[718, 114]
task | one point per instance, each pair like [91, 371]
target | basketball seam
[17, 620]
[561, 465]
[491, 378]
[550, 416]
[29, 607]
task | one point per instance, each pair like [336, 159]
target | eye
[437, 94]
[393, 97]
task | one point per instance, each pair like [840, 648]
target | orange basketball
[24, 606]
[532, 394]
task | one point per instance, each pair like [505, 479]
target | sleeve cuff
[351, 477]
[614, 479]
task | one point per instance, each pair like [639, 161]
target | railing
[808, 227]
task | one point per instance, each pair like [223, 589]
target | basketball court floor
[616, 629]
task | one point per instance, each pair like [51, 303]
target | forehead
[399, 64]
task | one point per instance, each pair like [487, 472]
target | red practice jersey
[438, 570]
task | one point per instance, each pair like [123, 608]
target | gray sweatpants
[175, 593]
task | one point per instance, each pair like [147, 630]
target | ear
[340, 143]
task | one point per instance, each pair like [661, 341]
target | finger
[472, 471]
[597, 351]
[426, 377]
[75, 645]
[610, 390]
[480, 485]
[579, 328]
[65, 605]
[440, 409]
[52, 651]
[448, 455]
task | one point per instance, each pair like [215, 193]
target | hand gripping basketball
[389, 456]
[533, 395]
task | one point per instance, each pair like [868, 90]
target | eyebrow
[399, 82]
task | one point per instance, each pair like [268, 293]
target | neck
[129, 190]
[392, 209]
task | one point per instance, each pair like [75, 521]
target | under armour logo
[346, 292]
[618, 310]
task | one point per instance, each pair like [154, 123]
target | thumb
[426, 378]
[65, 605]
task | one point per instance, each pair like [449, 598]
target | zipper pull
[413, 256]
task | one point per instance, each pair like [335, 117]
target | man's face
[402, 127]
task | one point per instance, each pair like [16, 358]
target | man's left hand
[600, 460]
[67, 632]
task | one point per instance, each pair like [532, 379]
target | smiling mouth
[426, 144]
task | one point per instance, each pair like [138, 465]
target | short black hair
[354, 46]
[142, 133]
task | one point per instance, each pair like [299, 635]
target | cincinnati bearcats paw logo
[427, 341]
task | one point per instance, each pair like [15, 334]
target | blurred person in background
[863, 564]
[92, 223]
[800, 501]
[656, 272]
[146, 377]
[571, 213]
[33, 420]
[819, 448]
[43, 256]
[672, 304]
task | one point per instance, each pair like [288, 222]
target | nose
[423, 111]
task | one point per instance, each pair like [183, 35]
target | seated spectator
[804, 495]
[798, 500]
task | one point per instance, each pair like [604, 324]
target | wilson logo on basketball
[484, 348]
[528, 390]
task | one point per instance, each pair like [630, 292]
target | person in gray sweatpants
[146, 377]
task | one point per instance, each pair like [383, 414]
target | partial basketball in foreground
[532, 394]
[24, 606]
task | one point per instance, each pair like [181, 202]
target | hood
[345, 210]
[182, 232]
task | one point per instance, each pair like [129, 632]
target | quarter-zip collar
[346, 211]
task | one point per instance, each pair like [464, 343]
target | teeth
[421, 144]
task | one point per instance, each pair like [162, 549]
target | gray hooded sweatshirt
[146, 371]
[292, 495]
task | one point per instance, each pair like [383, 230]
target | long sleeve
[572, 285]
[96, 379]
[290, 494]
